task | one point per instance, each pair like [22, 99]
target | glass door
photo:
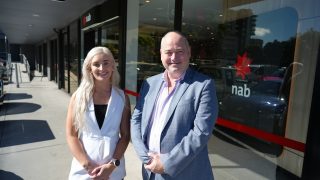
[110, 38]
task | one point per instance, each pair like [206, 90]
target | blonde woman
[98, 120]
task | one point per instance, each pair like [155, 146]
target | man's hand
[155, 165]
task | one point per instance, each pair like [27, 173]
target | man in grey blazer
[174, 117]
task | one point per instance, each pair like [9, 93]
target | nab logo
[86, 19]
[241, 91]
[243, 68]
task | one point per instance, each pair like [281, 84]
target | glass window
[155, 18]
[74, 57]
[110, 38]
[262, 56]
[65, 84]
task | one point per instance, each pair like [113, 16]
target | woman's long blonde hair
[85, 90]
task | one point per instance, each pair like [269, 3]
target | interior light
[58, 0]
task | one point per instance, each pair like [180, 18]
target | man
[174, 117]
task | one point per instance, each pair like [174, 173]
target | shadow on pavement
[9, 108]
[9, 175]
[16, 96]
[16, 132]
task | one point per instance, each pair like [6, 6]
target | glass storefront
[155, 19]
[250, 55]
[262, 56]
[66, 63]
[90, 41]
[110, 38]
[54, 60]
[100, 26]
[74, 57]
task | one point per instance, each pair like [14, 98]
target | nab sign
[243, 69]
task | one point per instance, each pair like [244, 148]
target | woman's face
[102, 67]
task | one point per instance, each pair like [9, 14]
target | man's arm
[136, 133]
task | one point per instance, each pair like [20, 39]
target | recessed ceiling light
[35, 15]
[59, 0]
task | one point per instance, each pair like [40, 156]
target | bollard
[17, 76]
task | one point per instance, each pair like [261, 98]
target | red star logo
[242, 65]
[84, 21]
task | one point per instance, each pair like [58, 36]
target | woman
[97, 125]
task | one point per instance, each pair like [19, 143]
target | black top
[100, 112]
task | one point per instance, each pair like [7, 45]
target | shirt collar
[165, 77]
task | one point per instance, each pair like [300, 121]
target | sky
[280, 25]
[282, 19]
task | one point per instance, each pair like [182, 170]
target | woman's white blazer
[100, 144]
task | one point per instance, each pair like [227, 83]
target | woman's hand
[102, 172]
[89, 166]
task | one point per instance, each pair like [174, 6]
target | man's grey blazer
[188, 127]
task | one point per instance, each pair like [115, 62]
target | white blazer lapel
[113, 114]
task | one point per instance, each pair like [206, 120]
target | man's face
[175, 54]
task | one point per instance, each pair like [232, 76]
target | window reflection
[248, 54]
[155, 18]
[74, 57]
[110, 38]
[262, 55]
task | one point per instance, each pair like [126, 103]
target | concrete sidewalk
[32, 131]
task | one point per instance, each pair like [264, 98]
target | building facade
[262, 54]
